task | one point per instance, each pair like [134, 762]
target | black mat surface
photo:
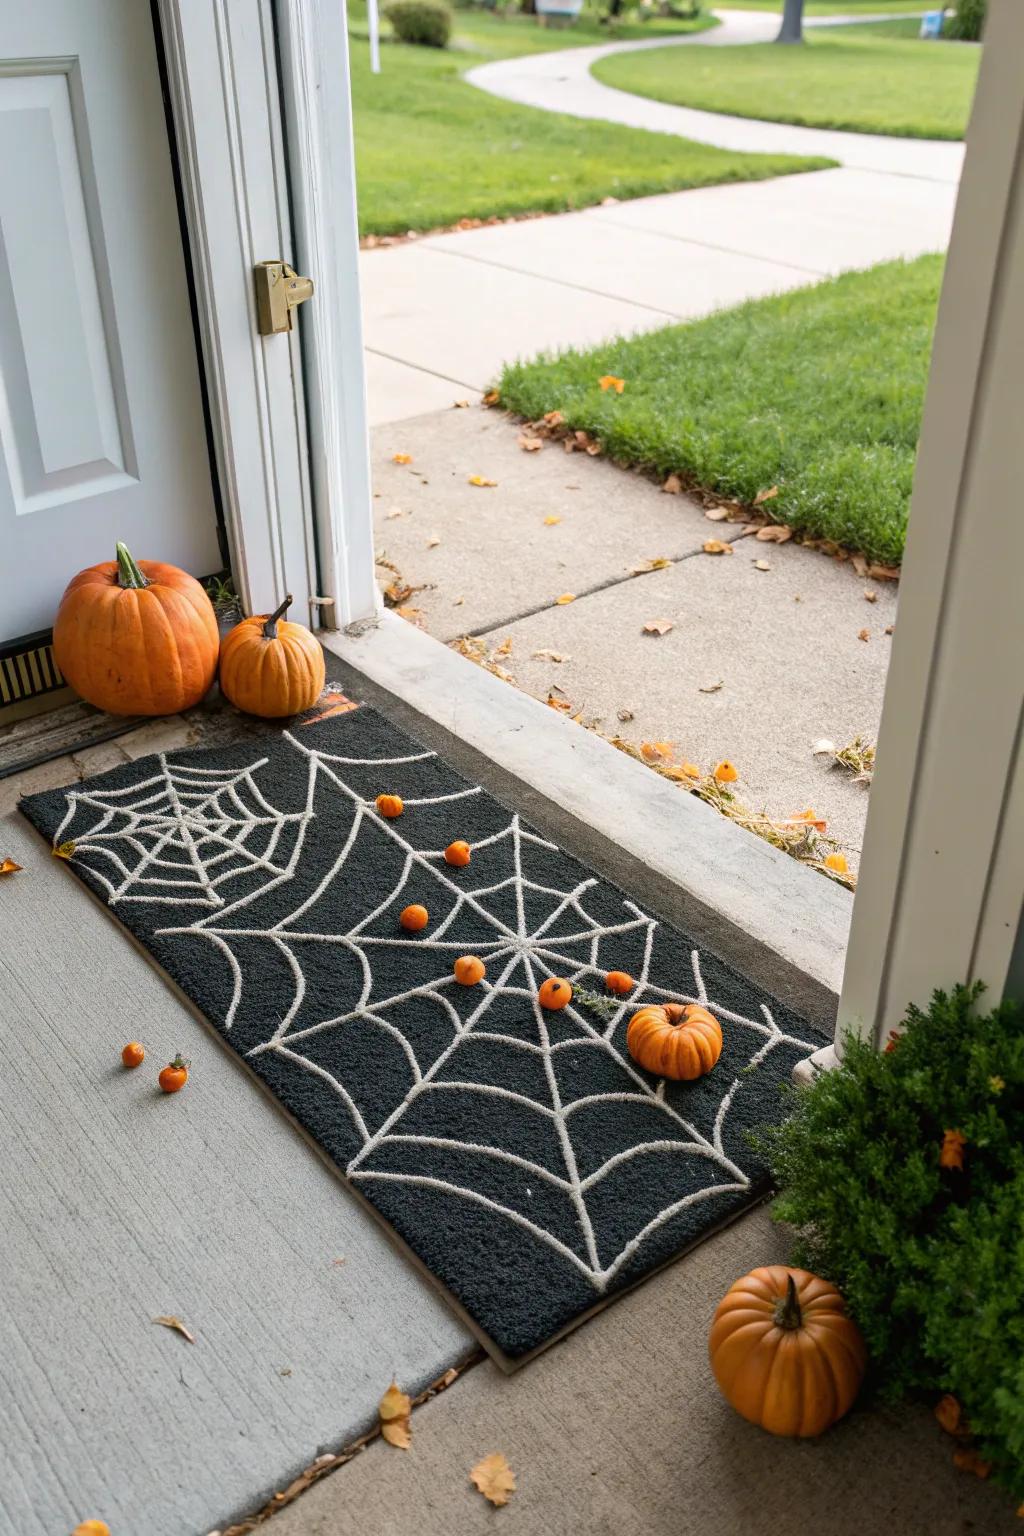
[521, 1154]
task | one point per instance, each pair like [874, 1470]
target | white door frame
[941, 884]
[288, 423]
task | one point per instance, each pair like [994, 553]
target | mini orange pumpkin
[619, 982]
[458, 854]
[414, 918]
[469, 969]
[554, 993]
[390, 806]
[676, 1040]
[136, 638]
[784, 1352]
[271, 667]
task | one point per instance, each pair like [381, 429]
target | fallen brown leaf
[768, 495]
[864, 634]
[951, 1154]
[673, 486]
[395, 1411]
[716, 514]
[656, 751]
[658, 626]
[717, 547]
[505, 648]
[411, 615]
[395, 512]
[949, 1414]
[492, 397]
[433, 541]
[494, 1478]
[761, 565]
[774, 533]
[398, 592]
[967, 1460]
[870, 596]
[401, 458]
[8, 867]
[529, 444]
[711, 687]
[553, 418]
[550, 656]
[860, 564]
[176, 1325]
[550, 522]
[481, 480]
[889, 628]
[624, 714]
[883, 572]
[566, 597]
[64, 851]
[562, 704]
[659, 563]
[458, 602]
[460, 405]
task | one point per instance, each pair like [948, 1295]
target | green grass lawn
[852, 77]
[431, 150]
[818, 392]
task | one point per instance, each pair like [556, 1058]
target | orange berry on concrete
[458, 853]
[174, 1076]
[469, 969]
[414, 918]
[390, 806]
[133, 1054]
[619, 982]
[92, 1528]
[725, 773]
[554, 993]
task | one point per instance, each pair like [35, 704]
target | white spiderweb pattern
[540, 1121]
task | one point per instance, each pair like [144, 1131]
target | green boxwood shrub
[967, 20]
[930, 1259]
[421, 21]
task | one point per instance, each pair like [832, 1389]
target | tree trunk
[792, 29]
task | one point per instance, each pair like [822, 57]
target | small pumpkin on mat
[682, 1041]
[784, 1352]
[136, 637]
[271, 667]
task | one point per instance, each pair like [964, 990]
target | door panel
[101, 428]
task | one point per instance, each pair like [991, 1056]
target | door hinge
[279, 290]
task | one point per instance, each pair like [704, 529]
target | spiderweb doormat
[521, 1155]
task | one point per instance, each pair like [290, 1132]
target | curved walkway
[562, 82]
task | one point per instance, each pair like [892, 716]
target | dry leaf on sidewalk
[395, 512]
[716, 547]
[673, 486]
[550, 656]
[176, 1325]
[395, 1410]
[761, 565]
[528, 443]
[864, 634]
[659, 563]
[656, 751]
[64, 851]
[481, 480]
[433, 541]
[774, 533]
[766, 495]
[401, 458]
[494, 1478]
[566, 597]
[624, 714]
[8, 867]
[870, 596]
[492, 397]
[711, 687]
[460, 405]
[716, 514]
[658, 626]
[549, 522]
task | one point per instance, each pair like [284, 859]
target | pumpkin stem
[787, 1309]
[128, 572]
[270, 625]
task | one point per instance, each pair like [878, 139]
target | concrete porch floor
[783, 643]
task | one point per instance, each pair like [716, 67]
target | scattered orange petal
[549, 522]
[566, 597]
[492, 397]
[656, 751]
[952, 1153]
[8, 867]
[481, 480]
[401, 458]
[836, 862]
[608, 381]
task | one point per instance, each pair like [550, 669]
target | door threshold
[781, 923]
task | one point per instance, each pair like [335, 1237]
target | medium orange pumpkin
[784, 1352]
[676, 1040]
[554, 993]
[271, 667]
[136, 637]
[389, 806]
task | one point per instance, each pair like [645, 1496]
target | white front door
[101, 423]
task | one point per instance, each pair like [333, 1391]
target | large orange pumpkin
[270, 667]
[136, 637]
[676, 1040]
[784, 1352]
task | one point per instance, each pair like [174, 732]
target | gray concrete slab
[461, 318]
[497, 558]
[621, 1429]
[825, 222]
[118, 1204]
[783, 643]
[395, 390]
